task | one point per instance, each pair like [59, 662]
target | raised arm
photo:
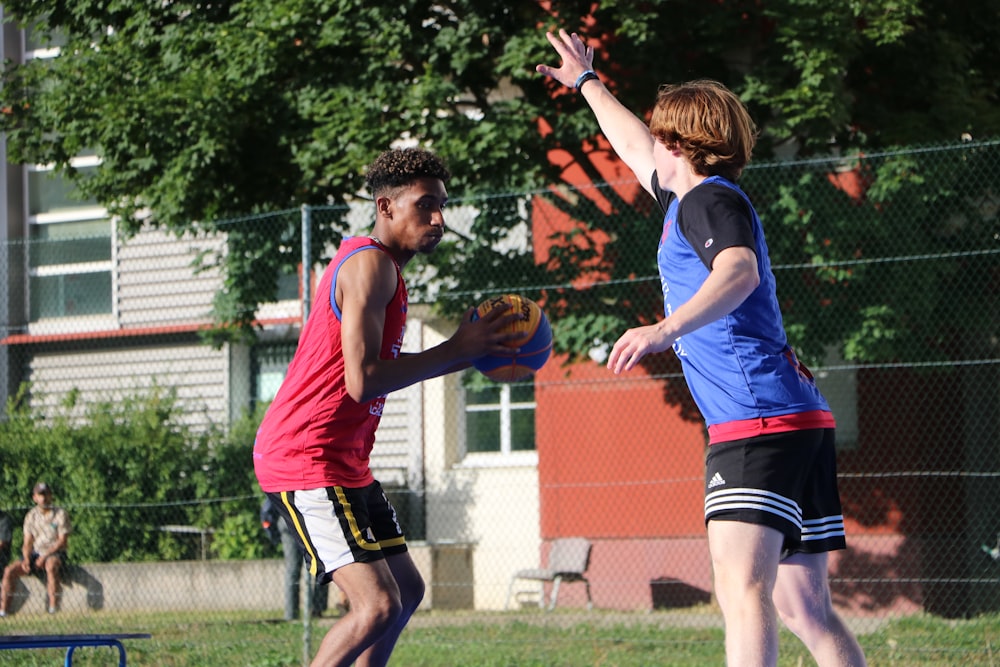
[628, 134]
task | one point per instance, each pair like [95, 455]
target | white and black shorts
[336, 526]
[787, 481]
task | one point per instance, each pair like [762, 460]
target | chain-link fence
[127, 396]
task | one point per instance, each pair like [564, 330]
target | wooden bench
[70, 643]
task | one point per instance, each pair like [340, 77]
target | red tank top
[314, 434]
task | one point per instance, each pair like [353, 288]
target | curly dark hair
[401, 166]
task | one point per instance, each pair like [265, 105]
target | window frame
[505, 456]
[83, 213]
[37, 322]
[268, 356]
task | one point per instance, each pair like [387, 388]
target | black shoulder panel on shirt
[713, 217]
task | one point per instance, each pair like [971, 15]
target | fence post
[306, 262]
[306, 305]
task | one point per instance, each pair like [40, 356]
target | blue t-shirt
[740, 366]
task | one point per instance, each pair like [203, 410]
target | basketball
[533, 346]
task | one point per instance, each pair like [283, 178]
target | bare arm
[365, 285]
[628, 134]
[732, 279]
[27, 546]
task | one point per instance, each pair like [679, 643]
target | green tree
[819, 78]
[203, 111]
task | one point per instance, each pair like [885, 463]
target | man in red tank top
[312, 448]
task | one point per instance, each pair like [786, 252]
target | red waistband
[749, 428]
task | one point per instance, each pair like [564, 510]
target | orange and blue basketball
[529, 351]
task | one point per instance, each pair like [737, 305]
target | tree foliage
[901, 265]
[203, 111]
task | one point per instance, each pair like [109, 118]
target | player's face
[668, 163]
[418, 214]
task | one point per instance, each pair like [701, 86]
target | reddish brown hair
[708, 123]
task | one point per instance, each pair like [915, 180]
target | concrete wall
[214, 585]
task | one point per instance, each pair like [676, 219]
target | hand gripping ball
[529, 351]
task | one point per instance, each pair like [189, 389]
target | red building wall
[617, 462]
[619, 465]
[618, 450]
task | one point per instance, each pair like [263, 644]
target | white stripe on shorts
[821, 529]
[753, 499]
[323, 528]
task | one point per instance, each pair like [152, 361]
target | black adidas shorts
[787, 481]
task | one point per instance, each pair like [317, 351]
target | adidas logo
[716, 481]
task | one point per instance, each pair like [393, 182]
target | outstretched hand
[576, 56]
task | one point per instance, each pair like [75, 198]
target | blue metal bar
[70, 642]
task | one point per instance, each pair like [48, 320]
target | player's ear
[383, 205]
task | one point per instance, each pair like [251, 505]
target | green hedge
[125, 468]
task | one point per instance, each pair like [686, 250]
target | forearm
[383, 376]
[628, 134]
[372, 376]
[723, 291]
[727, 286]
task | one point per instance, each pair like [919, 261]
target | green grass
[251, 639]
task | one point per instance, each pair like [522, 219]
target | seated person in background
[46, 534]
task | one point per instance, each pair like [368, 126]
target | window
[70, 239]
[269, 365]
[288, 287]
[69, 255]
[38, 44]
[499, 418]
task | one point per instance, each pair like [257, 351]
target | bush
[129, 467]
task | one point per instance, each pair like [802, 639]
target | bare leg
[375, 608]
[341, 604]
[5, 590]
[11, 574]
[52, 580]
[745, 562]
[802, 597]
[411, 591]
